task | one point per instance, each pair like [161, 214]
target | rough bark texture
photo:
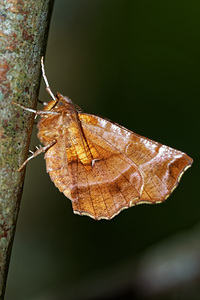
[23, 35]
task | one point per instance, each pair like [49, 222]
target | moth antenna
[48, 89]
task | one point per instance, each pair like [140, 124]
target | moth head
[63, 99]
[60, 100]
[64, 102]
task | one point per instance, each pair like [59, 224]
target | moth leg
[36, 112]
[36, 153]
[48, 89]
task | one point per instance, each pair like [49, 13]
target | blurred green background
[138, 64]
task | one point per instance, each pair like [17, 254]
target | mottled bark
[23, 35]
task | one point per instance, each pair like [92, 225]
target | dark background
[138, 64]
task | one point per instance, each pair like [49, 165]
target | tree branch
[23, 32]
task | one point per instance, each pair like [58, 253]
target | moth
[99, 165]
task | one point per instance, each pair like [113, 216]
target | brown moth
[101, 166]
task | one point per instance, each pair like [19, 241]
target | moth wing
[161, 166]
[101, 189]
[109, 184]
